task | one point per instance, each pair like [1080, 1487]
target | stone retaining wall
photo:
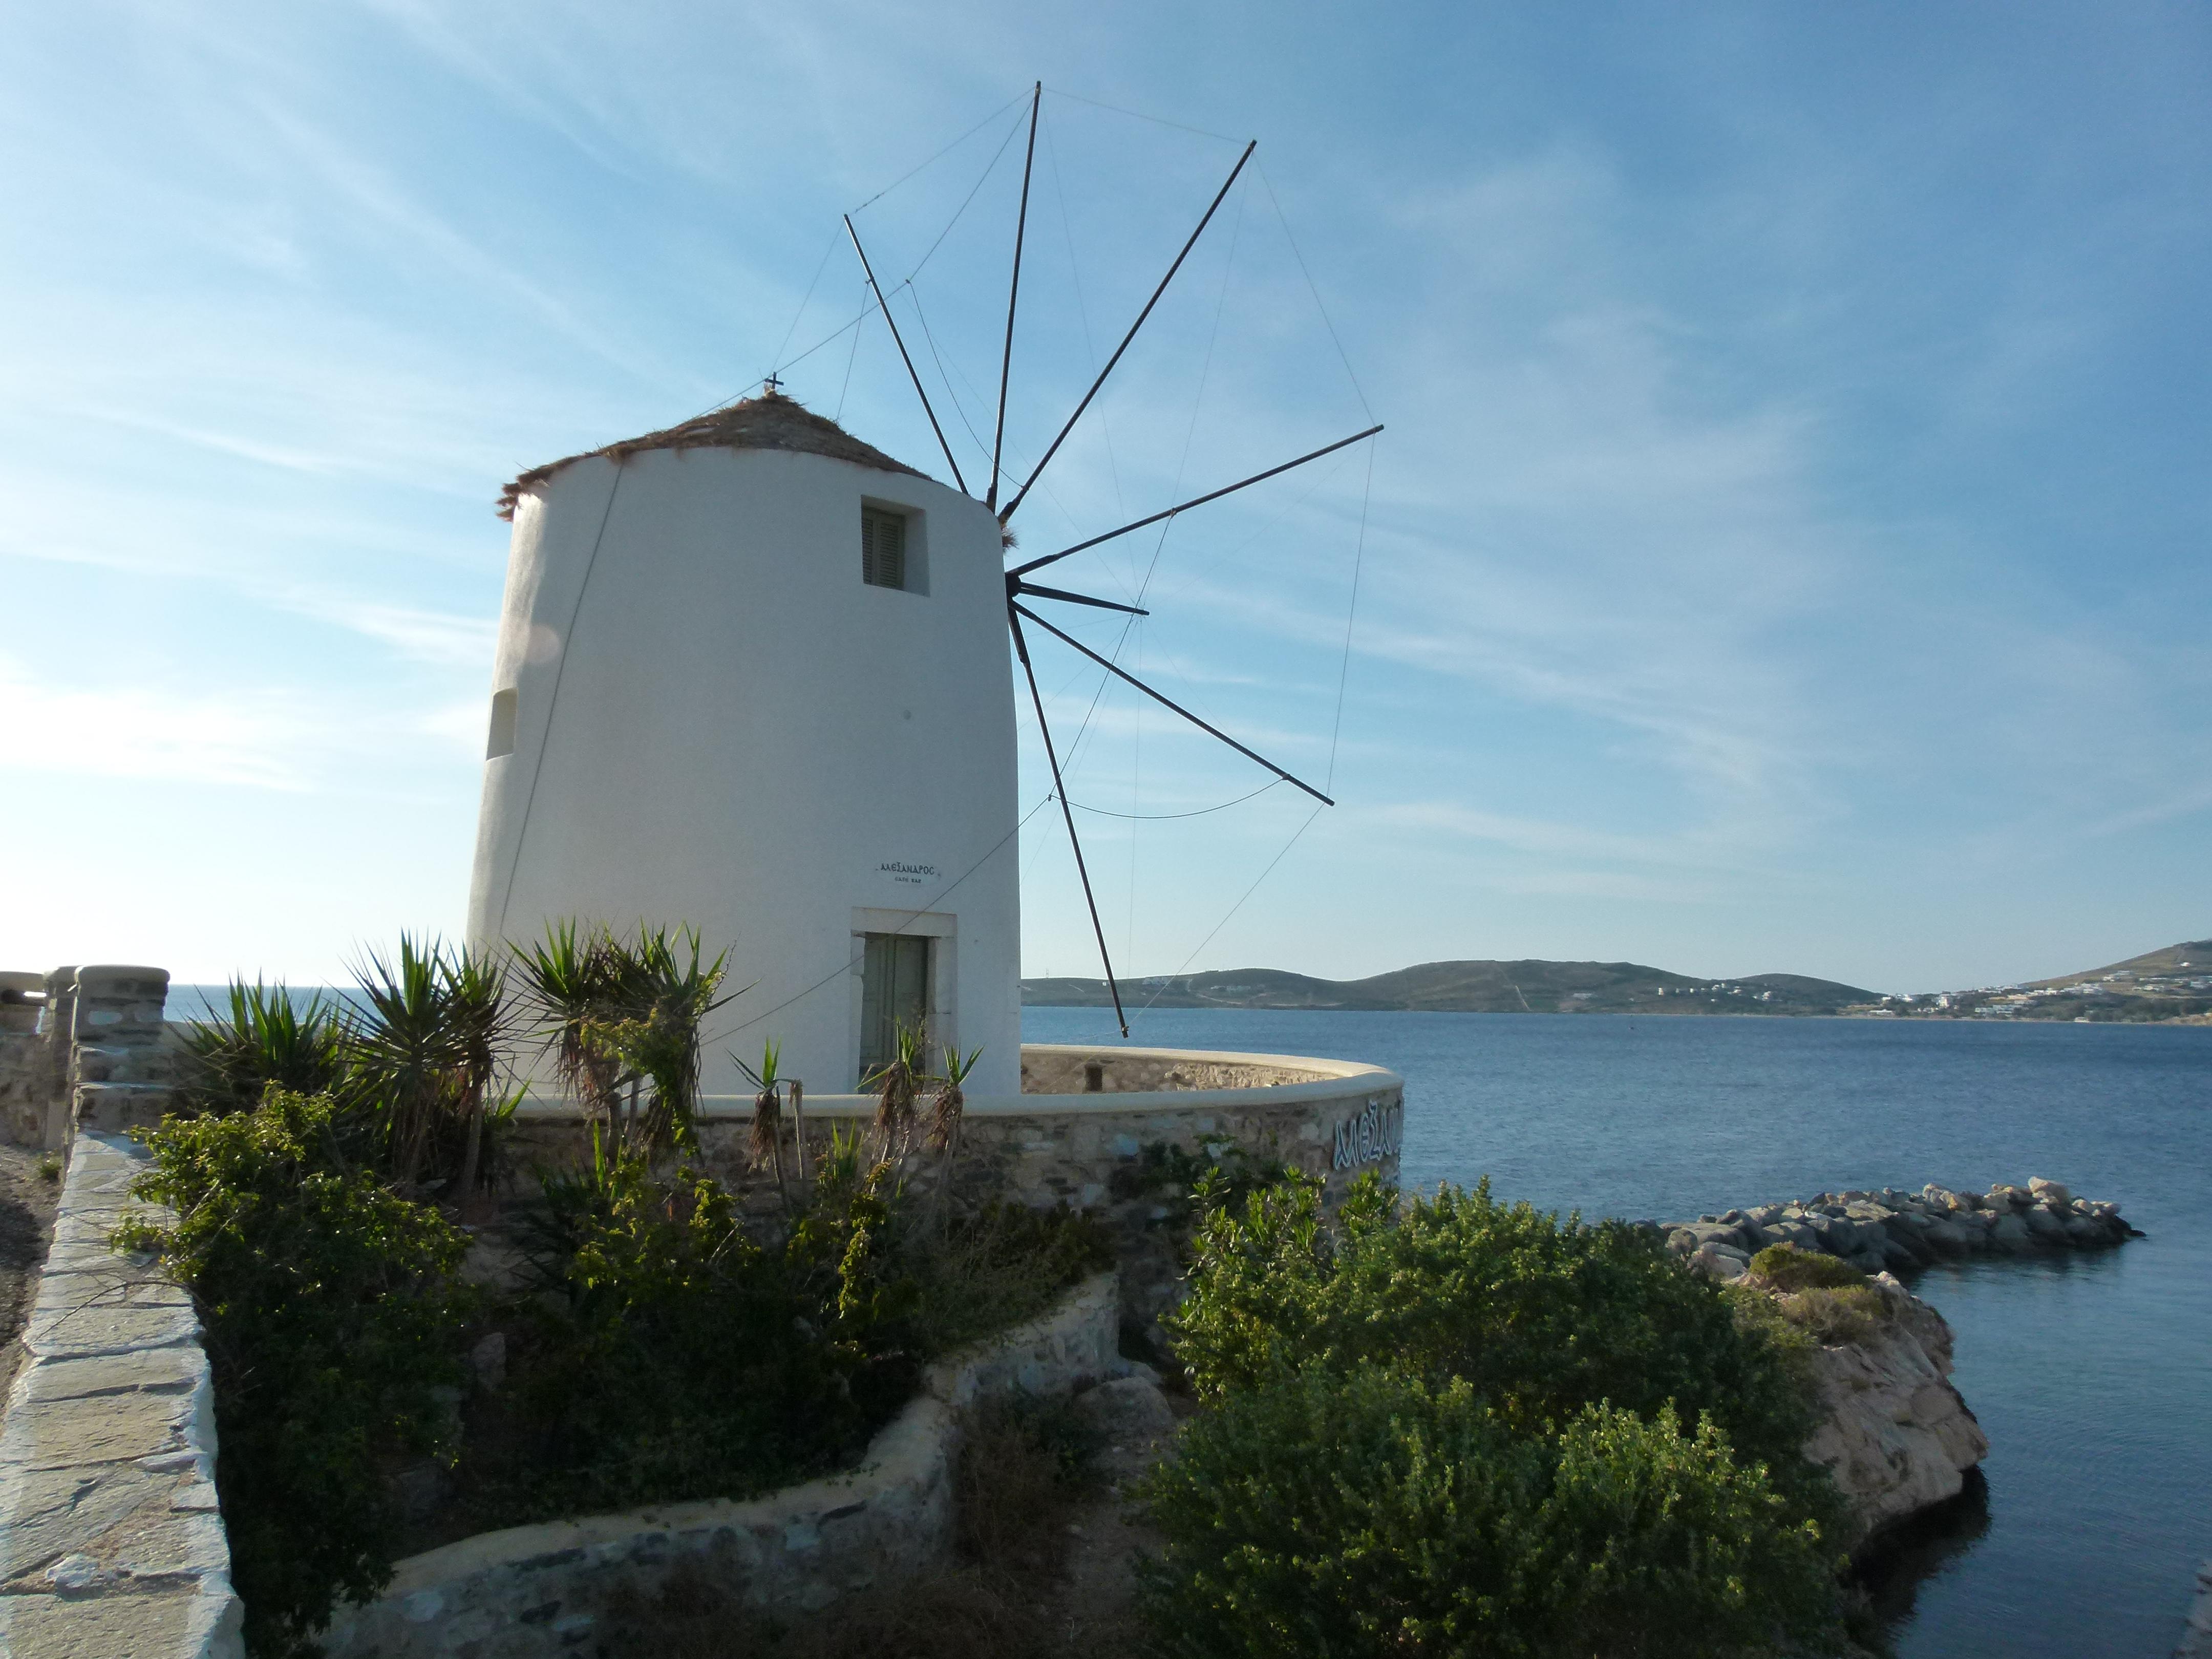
[112, 1546]
[528, 1591]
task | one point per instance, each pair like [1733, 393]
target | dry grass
[1850, 1315]
[1022, 1473]
[1786, 1267]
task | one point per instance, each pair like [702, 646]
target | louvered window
[894, 992]
[883, 548]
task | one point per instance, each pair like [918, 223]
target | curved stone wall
[531, 1590]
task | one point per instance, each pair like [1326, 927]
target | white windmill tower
[750, 678]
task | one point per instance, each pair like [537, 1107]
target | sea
[2092, 1374]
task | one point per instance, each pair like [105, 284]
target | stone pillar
[25, 1080]
[58, 1026]
[122, 1071]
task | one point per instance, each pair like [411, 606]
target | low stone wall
[1900, 1231]
[112, 1546]
[528, 1591]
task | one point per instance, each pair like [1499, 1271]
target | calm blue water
[2092, 1374]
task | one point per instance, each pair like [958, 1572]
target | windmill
[1018, 584]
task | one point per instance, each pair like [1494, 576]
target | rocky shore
[1900, 1232]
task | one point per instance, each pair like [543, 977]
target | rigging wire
[1343, 356]
[951, 391]
[846, 967]
[797, 316]
[1295, 835]
[1190, 432]
[1083, 312]
[940, 155]
[1149, 817]
[1139, 115]
[1344, 668]
[846, 385]
[988, 170]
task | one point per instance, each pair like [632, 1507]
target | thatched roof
[770, 421]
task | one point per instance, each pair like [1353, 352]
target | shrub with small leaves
[1372, 1513]
[1451, 1425]
[333, 1317]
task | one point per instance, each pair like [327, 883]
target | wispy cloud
[256, 740]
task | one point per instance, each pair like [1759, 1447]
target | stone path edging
[531, 1590]
[111, 1545]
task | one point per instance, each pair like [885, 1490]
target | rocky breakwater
[1900, 1232]
[1895, 1434]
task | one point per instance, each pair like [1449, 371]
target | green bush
[678, 1356]
[1541, 1317]
[1786, 1267]
[1457, 1426]
[1371, 1512]
[678, 1359]
[332, 1317]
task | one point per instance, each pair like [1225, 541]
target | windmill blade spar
[1036, 697]
[1115, 669]
[1196, 500]
[1015, 587]
[1007, 512]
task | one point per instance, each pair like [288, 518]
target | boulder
[2011, 1197]
[1868, 1262]
[2047, 1228]
[2084, 1233]
[2010, 1234]
[2050, 1191]
[1717, 1262]
[1897, 1256]
[1896, 1436]
[1948, 1237]
[1837, 1236]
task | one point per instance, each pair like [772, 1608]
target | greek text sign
[909, 872]
[1371, 1137]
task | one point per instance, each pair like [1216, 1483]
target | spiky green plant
[571, 979]
[425, 1059]
[268, 1038]
[621, 1018]
[765, 1143]
[948, 1111]
[897, 1084]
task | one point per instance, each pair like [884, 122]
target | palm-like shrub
[620, 1020]
[267, 1039]
[424, 1061]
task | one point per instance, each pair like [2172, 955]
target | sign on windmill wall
[909, 872]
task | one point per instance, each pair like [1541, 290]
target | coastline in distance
[2171, 984]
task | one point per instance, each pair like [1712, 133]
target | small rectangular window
[883, 548]
[502, 725]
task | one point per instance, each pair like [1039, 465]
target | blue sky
[1788, 550]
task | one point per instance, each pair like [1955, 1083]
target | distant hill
[2165, 986]
[1472, 987]
[2191, 957]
